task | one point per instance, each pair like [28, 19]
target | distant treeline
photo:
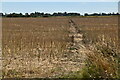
[38, 14]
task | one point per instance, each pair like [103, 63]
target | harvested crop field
[41, 47]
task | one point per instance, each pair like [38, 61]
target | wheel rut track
[74, 59]
[77, 50]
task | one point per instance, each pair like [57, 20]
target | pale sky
[60, 0]
[51, 7]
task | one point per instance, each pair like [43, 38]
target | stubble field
[37, 47]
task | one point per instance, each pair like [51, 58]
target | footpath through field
[75, 58]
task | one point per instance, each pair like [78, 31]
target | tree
[27, 15]
[38, 14]
[104, 14]
[1, 14]
[86, 14]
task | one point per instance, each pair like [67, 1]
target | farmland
[39, 47]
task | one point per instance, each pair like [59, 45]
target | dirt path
[77, 46]
[75, 58]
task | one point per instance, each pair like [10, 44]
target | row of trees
[101, 14]
[38, 14]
